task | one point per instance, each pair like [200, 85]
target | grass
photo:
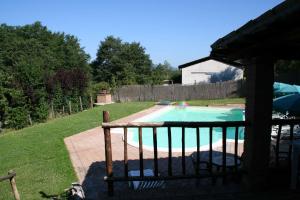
[38, 153]
[212, 102]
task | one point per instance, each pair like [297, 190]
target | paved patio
[86, 151]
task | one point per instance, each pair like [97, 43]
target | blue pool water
[188, 114]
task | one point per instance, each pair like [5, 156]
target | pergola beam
[259, 98]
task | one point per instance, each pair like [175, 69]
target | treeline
[42, 72]
[38, 68]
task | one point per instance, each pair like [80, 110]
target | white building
[201, 70]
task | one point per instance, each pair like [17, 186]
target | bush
[17, 117]
[41, 112]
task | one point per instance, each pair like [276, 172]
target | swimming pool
[174, 113]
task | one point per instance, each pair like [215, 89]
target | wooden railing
[12, 179]
[110, 178]
[286, 141]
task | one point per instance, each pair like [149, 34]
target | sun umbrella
[283, 88]
[297, 87]
[276, 86]
[289, 103]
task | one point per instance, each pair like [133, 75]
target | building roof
[206, 59]
[275, 34]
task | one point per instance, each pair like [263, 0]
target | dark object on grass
[75, 192]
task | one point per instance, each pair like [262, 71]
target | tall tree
[127, 63]
[164, 71]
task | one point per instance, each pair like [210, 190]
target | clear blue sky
[178, 31]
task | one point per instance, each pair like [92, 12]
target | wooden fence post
[70, 108]
[80, 101]
[29, 119]
[14, 185]
[108, 155]
[91, 101]
[52, 110]
[139, 93]
[118, 93]
[173, 92]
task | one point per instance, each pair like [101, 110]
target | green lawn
[216, 102]
[38, 153]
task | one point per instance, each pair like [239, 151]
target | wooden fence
[179, 92]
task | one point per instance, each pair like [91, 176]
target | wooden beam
[108, 154]
[125, 154]
[258, 112]
[155, 151]
[174, 124]
[141, 152]
[169, 151]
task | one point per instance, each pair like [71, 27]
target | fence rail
[174, 124]
[179, 92]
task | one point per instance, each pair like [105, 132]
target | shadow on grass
[62, 196]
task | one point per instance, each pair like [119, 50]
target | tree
[165, 71]
[104, 64]
[176, 76]
[126, 62]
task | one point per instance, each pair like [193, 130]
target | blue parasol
[297, 88]
[289, 103]
[283, 88]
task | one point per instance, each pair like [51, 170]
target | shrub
[40, 112]
[17, 117]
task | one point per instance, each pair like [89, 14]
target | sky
[177, 31]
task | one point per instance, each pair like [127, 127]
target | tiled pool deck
[86, 151]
